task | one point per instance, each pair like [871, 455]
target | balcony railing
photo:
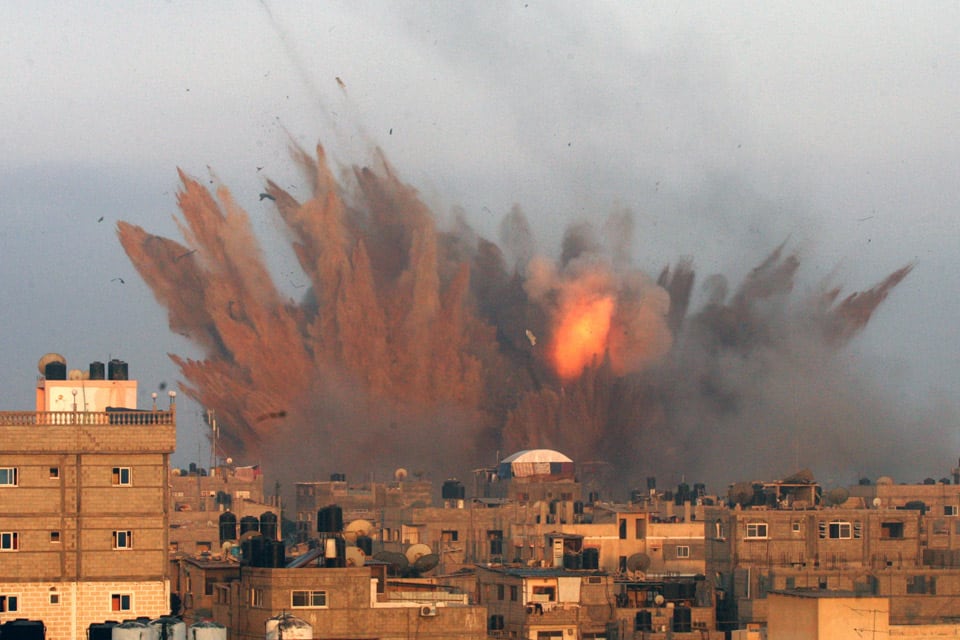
[109, 417]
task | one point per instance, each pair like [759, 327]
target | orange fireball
[581, 334]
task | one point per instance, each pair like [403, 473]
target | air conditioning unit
[428, 610]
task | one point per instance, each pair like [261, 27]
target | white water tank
[207, 630]
[168, 628]
[288, 627]
[132, 630]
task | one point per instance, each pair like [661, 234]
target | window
[840, 530]
[795, 526]
[891, 530]
[514, 592]
[543, 593]
[201, 546]
[122, 539]
[683, 551]
[9, 541]
[55, 537]
[449, 535]
[54, 598]
[623, 529]
[640, 530]
[121, 476]
[256, 597]
[54, 473]
[305, 599]
[8, 476]
[949, 509]
[121, 602]
[500, 591]
[9, 603]
[756, 530]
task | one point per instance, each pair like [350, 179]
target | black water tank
[365, 544]
[274, 554]
[252, 551]
[117, 370]
[268, 524]
[55, 371]
[453, 490]
[249, 523]
[23, 629]
[101, 630]
[643, 621]
[591, 558]
[651, 483]
[681, 619]
[228, 527]
[330, 519]
[96, 372]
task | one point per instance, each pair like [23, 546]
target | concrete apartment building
[886, 542]
[199, 500]
[83, 483]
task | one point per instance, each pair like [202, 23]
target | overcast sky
[726, 128]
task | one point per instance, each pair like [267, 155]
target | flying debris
[407, 329]
[120, 280]
[266, 196]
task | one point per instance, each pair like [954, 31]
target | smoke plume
[433, 349]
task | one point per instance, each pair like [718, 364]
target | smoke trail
[415, 341]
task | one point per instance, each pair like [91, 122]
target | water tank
[288, 627]
[330, 519]
[453, 490]
[274, 553]
[132, 630]
[268, 525]
[643, 621]
[338, 477]
[168, 628]
[251, 549]
[23, 629]
[228, 527]
[334, 552]
[101, 630]
[55, 370]
[682, 619]
[249, 523]
[117, 370]
[97, 371]
[591, 558]
[207, 630]
[365, 544]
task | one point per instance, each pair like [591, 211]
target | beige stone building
[83, 483]
[349, 602]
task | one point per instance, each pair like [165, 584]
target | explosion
[414, 341]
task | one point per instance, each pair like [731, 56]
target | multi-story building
[199, 500]
[83, 483]
[884, 542]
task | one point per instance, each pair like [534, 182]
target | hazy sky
[726, 128]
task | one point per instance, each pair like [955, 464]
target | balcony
[66, 418]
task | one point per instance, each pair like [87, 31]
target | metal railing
[110, 417]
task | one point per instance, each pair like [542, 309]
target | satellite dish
[400, 474]
[741, 493]
[877, 502]
[357, 528]
[426, 563]
[397, 561]
[659, 600]
[76, 374]
[355, 557]
[416, 551]
[638, 562]
[838, 496]
[247, 535]
[47, 359]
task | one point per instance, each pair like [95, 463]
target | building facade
[83, 529]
